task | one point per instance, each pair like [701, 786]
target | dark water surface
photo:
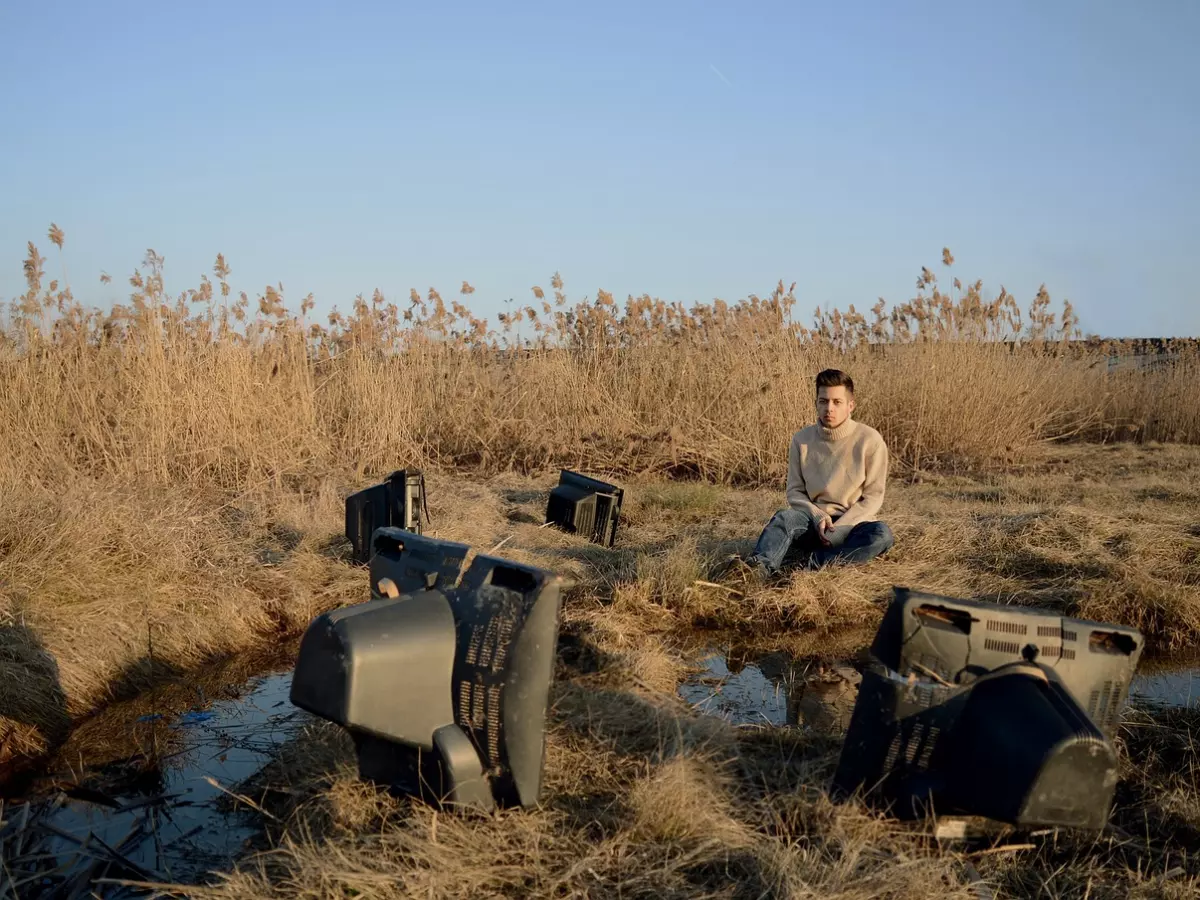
[129, 795]
[774, 689]
[140, 793]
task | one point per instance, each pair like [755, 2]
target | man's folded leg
[789, 531]
[865, 542]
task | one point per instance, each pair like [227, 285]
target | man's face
[834, 406]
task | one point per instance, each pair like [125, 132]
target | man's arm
[867, 506]
[797, 491]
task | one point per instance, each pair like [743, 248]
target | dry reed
[201, 387]
[173, 471]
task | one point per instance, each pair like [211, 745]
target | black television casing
[403, 562]
[397, 501]
[587, 506]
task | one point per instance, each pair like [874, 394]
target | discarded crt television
[586, 506]
[977, 709]
[396, 501]
[403, 562]
[443, 688]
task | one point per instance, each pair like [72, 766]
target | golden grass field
[174, 474]
[645, 797]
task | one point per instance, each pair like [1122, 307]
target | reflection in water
[1168, 686]
[155, 809]
[776, 689]
[744, 697]
[131, 784]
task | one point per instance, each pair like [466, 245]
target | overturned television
[972, 708]
[442, 683]
[587, 506]
[397, 501]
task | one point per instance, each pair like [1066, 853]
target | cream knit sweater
[837, 472]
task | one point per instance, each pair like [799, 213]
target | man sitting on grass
[837, 469]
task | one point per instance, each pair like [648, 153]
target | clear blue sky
[685, 150]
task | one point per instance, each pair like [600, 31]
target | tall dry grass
[149, 453]
[205, 386]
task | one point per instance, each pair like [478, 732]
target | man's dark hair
[835, 378]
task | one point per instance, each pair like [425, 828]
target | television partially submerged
[583, 505]
[397, 501]
[974, 708]
[443, 686]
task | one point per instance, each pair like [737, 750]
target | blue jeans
[791, 531]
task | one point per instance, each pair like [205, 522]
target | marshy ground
[646, 793]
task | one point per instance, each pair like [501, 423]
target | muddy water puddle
[777, 689]
[143, 791]
[772, 690]
[1168, 684]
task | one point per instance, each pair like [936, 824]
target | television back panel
[444, 687]
[396, 502]
[586, 506]
[507, 617]
[573, 509]
[398, 687]
[895, 731]
[959, 640]
[413, 562]
[604, 523]
[1010, 747]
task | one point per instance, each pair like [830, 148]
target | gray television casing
[443, 689]
[1094, 661]
[1040, 754]
[587, 506]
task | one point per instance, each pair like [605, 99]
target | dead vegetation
[173, 474]
[646, 798]
[104, 593]
[1073, 531]
[208, 387]
[107, 587]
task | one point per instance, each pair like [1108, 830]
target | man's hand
[824, 525]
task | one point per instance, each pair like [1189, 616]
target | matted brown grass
[1109, 533]
[645, 797]
[107, 584]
